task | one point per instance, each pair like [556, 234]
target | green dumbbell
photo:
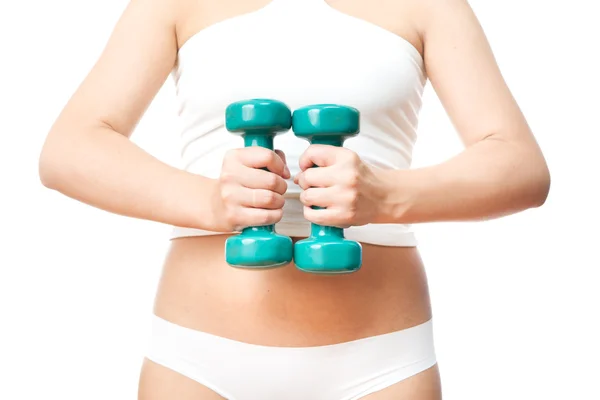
[326, 251]
[258, 121]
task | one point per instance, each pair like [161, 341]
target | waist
[293, 224]
[285, 306]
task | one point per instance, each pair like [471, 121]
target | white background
[516, 300]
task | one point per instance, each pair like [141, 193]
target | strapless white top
[301, 52]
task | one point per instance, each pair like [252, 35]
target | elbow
[49, 166]
[540, 186]
[47, 170]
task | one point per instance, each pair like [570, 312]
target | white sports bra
[301, 52]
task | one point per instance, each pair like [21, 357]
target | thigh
[423, 386]
[161, 383]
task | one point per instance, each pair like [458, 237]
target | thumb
[319, 155]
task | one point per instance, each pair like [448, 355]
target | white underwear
[243, 371]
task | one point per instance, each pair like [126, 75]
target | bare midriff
[285, 306]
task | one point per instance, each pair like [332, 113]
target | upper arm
[465, 76]
[134, 64]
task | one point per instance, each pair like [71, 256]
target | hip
[285, 306]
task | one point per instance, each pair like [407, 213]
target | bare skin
[285, 307]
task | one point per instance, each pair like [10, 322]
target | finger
[260, 198]
[327, 217]
[321, 197]
[260, 179]
[317, 177]
[257, 217]
[286, 170]
[320, 155]
[260, 157]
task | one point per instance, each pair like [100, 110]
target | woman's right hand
[250, 188]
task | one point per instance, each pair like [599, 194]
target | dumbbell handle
[257, 139]
[322, 230]
[261, 140]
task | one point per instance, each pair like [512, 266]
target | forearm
[104, 169]
[490, 179]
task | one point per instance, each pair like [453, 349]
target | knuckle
[231, 217]
[352, 198]
[306, 196]
[312, 196]
[227, 176]
[304, 180]
[309, 175]
[271, 182]
[353, 157]
[284, 188]
[227, 194]
[280, 187]
[277, 215]
[269, 198]
[278, 202]
[313, 216]
[265, 156]
[348, 216]
[266, 217]
[301, 184]
[263, 219]
[352, 178]
[272, 155]
[302, 198]
[319, 219]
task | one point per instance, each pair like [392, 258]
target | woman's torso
[284, 306]
[287, 307]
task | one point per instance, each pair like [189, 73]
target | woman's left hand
[351, 192]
